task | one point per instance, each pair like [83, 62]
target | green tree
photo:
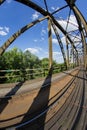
[31, 62]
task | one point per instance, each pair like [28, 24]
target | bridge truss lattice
[72, 37]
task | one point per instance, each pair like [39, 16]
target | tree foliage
[24, 65]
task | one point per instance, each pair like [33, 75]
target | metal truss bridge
[57, 101]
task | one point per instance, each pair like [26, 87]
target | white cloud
[34, 50]
[7, 29]
[63, 39]
[57, 56]
[43, 32]
[55, 41]
[72, 25]
[39, 49]
[56, 53]
[35, 40]
[54, 8]
[35, 16]
[1, 28]
[4, 31]
[63, 23]
[73, 20]
[42, 39]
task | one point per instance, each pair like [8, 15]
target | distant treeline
[24, 66]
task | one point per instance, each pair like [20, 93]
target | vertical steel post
[73, 56]
[67, 51]
[85, 49]
[50, 43]
[77, 59]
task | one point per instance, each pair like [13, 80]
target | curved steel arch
[18, 33]
[78, 13]
[82, 20]
[2, 1]
[48, 15]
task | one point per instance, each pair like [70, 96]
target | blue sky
[14, 16]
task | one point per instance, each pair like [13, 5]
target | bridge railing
[18, 75]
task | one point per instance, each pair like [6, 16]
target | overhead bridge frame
[54, 23]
